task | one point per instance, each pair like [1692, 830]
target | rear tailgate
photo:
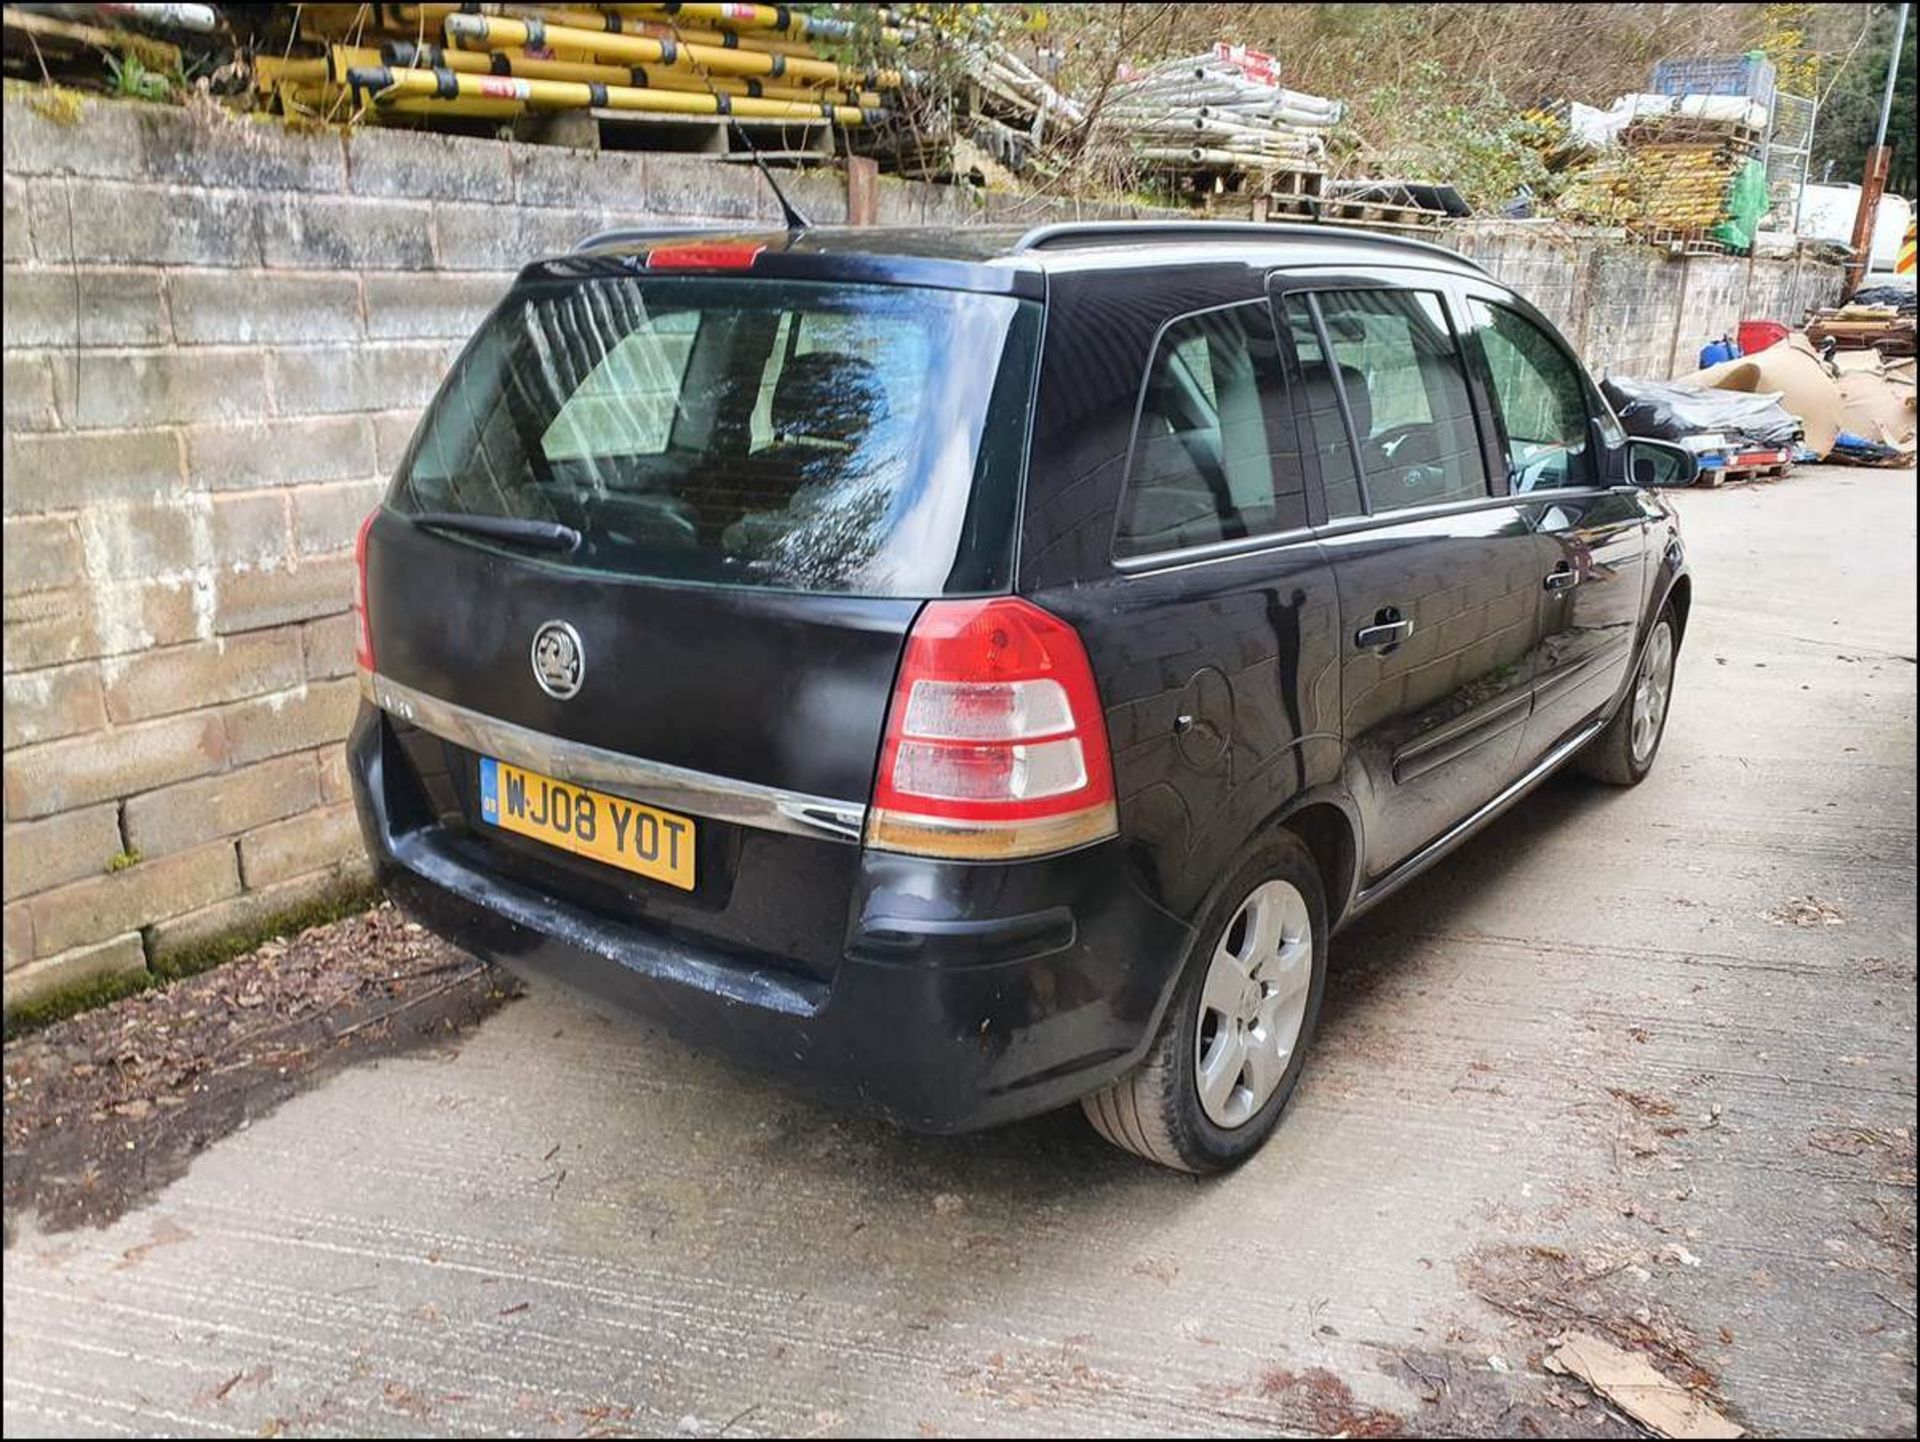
[762, 482]
[771, 704]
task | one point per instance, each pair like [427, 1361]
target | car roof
[1104, 245]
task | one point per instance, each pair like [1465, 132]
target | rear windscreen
[855, 439]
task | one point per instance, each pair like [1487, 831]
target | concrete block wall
[1632, 310]
[219, 332]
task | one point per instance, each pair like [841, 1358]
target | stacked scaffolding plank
[1669, 179]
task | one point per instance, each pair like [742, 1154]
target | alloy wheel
[1651, 689]
[1253, 1002]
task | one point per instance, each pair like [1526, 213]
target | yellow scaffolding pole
[499, 33]
[598, 22]
[798, 24]
[408, 56]
[325, 98]
[389, 85]
[337, 22]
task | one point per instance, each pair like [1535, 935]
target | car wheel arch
[1323, 820]
[1332, 835]
[1680, 597]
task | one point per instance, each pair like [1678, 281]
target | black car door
[1167, 522]
[1555, 434]
[1438, 576]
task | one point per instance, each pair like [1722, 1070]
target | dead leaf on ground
[1646, 1105]
[1804, 911]
[1633, 1385]
[166, 1232]
[405, 1399]
[1641, 1139]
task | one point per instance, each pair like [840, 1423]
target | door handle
[1562, 578]
[1388, 630]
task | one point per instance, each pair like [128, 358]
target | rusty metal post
[863, 190]
[1874, 182]
[1871, 185]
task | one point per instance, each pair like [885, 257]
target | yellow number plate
[653, 843]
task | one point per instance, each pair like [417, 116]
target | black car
[977, 671]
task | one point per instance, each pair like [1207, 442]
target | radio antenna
[795, 221]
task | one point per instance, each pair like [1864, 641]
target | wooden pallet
[1736, 475]
[1739, 140]
[779, 142]
[1295, 185]
[1357, 214]
[1692, 241]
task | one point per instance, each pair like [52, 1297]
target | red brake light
[996, 743]
[362, 629]
[703, 255]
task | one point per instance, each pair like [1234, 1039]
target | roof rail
[1081, 232]
[625, 234]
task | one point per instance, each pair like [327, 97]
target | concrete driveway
[1640, 1063]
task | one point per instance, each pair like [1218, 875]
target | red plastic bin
[1757, 335]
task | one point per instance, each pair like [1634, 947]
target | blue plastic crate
[1748, 75]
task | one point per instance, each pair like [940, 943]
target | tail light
[362, 628]
[996, 746]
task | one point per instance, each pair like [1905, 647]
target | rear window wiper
[546, 535]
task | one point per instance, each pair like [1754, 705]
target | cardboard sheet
[1631, 1383]
[1795, 370]
[1871, 398]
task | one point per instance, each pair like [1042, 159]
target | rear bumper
[967, 995]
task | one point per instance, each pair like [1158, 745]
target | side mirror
[1660, 463]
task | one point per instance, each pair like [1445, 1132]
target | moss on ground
[30, 1016]
[203, 955]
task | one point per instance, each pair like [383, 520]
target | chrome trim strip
[1460, 831]
[654, 782]
[1337, 528]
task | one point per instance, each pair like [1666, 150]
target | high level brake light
[362, 628]
[704, 255]
[996, 745]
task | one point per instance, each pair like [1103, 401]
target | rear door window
[803, 435]
[1203, 466]
[1541, 398]
[1395, 361]
[1326, 421]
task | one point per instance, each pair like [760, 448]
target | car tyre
[1236, 1034]
[1624, 752]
